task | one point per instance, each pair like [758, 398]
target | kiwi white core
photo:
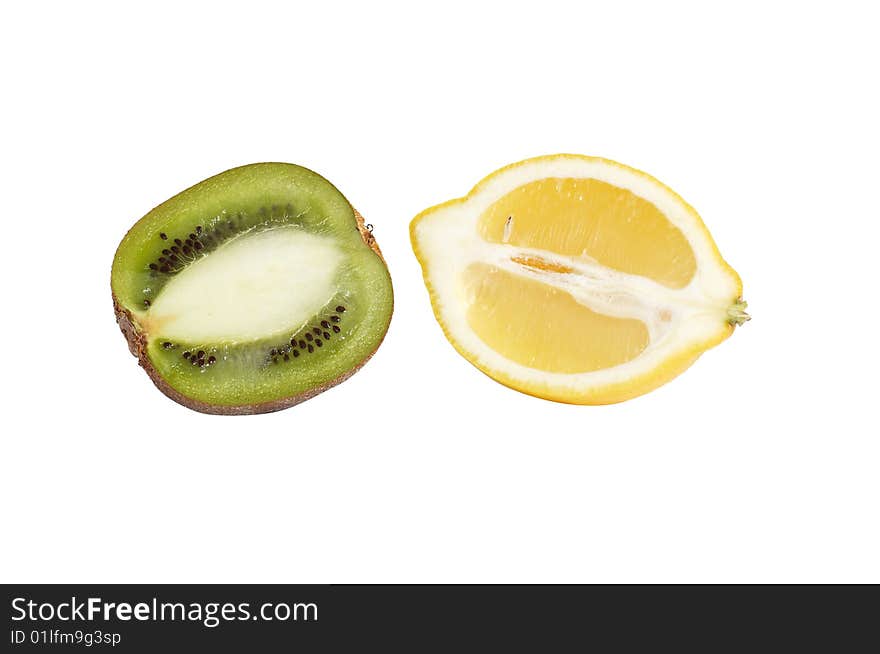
[256, 285]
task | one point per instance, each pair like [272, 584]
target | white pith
[677, 319]
[258, 284]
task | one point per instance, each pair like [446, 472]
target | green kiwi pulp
[251, 291]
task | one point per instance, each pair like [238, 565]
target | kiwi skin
[137, 345]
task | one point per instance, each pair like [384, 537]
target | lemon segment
[594, 219]
[546, 339]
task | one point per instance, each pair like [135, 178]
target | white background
[760, 464]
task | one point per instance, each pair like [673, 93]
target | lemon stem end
[736, 313]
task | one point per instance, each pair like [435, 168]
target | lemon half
[576, 279]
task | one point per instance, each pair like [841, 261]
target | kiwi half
[251, 291]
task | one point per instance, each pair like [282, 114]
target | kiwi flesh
[252, 291]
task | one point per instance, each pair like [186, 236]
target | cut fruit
[576, 279]
[251, 291]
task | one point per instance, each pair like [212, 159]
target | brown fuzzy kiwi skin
[137, 345]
